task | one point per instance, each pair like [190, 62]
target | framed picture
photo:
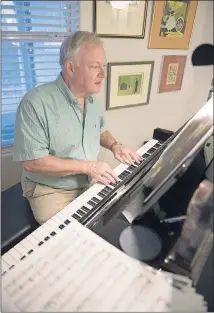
[172, 24]
[128, 84]
[120, 18]
[172, 72]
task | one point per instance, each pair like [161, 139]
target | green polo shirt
[50, 121]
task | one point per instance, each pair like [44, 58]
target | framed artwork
[172, 72]
[128, 84]
[120, 18]
[172, 24]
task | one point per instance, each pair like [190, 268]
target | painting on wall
[172, 24]
[172, 72]
[128, 84]
[120, 18]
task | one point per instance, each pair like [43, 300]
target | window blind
[32, 32]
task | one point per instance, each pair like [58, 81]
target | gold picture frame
[172, 24]
[128, 84]
[128, 22]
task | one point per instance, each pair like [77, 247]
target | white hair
[71, 45]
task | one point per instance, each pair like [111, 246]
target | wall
[131, 126]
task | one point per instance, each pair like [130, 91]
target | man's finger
[119, 158]
[111, 175]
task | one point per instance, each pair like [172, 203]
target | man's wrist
[114, 144]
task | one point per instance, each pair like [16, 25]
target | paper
[80, 272]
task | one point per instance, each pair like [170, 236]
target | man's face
[89, 68]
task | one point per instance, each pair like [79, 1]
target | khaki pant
[45, 201]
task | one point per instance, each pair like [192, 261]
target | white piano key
[71, 208]
[47, 227]
[9, 259]
[57, 219]
[14, 254]
[26, 243]
[147, 146]
[32, 240]
[21, 249]
[41, 231]
[39, 235]
[4, 266]
[53, 224]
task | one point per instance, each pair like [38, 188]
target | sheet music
[80, 272]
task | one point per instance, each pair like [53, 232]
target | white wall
[131, 126]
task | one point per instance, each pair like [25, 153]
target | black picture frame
[125, 98]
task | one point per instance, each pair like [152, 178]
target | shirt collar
[67, 93]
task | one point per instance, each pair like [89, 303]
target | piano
[87, 208]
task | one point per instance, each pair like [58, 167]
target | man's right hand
[100, 172]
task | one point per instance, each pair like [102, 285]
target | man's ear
[69, 67]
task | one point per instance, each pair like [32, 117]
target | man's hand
[100, 172]
[126, 155]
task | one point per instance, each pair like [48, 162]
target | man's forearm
[54, 166]
[107, 140]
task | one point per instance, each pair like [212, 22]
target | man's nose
[102, 72]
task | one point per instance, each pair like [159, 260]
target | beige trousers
[45, 201]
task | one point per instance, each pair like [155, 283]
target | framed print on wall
[172, 24]
[172, 72]
[120, 18]
[128, 84]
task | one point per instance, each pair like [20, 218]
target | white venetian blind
[32, 32]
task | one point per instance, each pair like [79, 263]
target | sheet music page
[80, 272]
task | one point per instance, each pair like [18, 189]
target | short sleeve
[31, 137]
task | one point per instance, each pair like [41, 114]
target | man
[60, 127]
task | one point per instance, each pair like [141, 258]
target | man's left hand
[126, 155]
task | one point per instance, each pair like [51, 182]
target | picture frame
[172, 72]
[172, 24]
[128, 84]
[128, 22]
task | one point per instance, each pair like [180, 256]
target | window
[32, 32]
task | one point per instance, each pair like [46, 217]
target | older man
[60, 127]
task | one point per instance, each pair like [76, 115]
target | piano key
[21, 249]
[147, 146]
[15, 254]
[80, 212]
[9, 259]
[4, 266]
[53, 224]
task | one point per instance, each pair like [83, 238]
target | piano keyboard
[77, 209]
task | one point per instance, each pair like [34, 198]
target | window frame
[32, 37]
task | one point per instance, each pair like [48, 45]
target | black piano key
[23, 257]
[101, 194]
[146, 155]
[61, 226]
[122, 176]
[114, 184]
[131, 168]
[91, 203]
[85, 209]
[77, 217]
[105, 191]
[80, 212]
[126, 173]
[11, 267]
[95, 200]
[53, 233]
[67, 222]
[157, 145]
[40, 243]
[47, 238]
[108, 188]
[151, 150]
[29, 252]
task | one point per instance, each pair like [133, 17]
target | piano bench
[17, 220]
